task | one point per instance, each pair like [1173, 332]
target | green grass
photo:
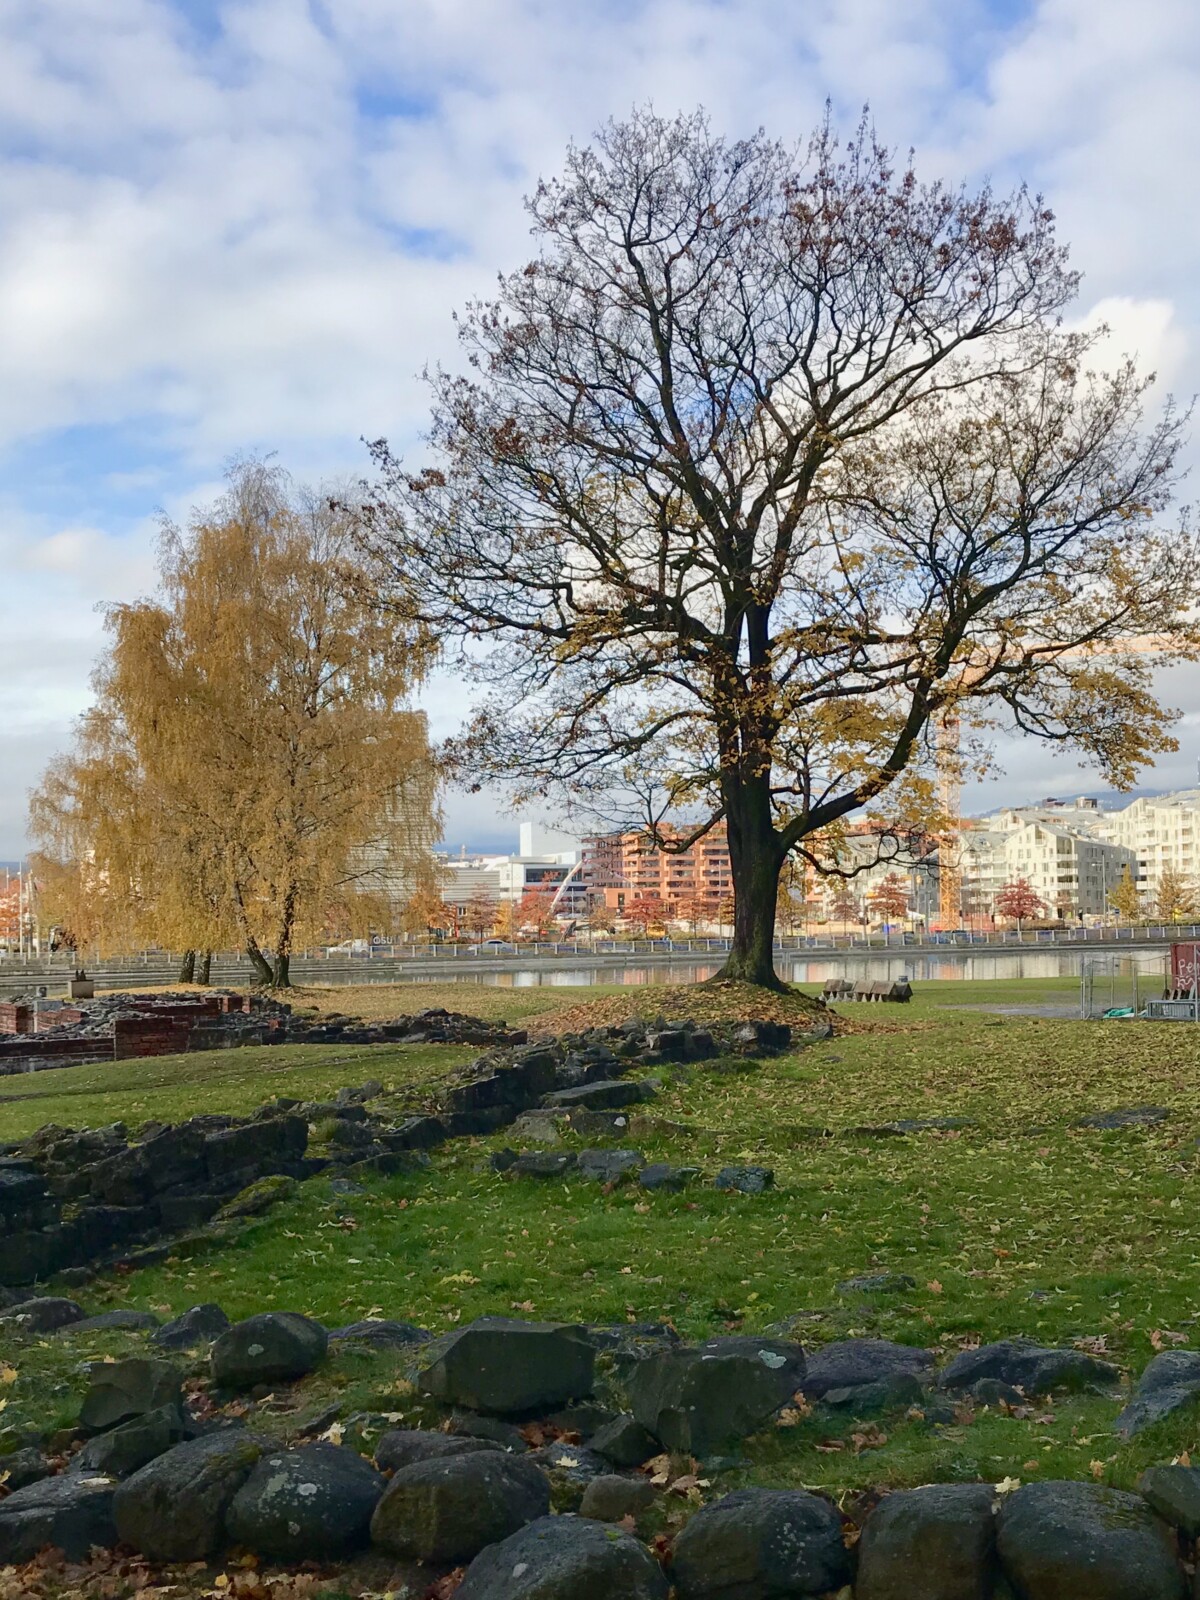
[167, 1088]
[170, 1088]
[1020, 1224]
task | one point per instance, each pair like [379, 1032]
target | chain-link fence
[1159, 985]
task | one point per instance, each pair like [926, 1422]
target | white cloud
[227, 226]
[1149, 331]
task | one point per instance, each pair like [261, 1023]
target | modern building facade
[619, 868]
[505, 879]
[1071, 870]
[1163, 834]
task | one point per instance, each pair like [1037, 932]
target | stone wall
[79, 1200]
[535, 1458]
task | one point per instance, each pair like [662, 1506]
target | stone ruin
[117, 1027]
[75, 1200]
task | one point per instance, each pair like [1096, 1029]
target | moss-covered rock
[258, 1197]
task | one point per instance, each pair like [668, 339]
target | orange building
[619, 868]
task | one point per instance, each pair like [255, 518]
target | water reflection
[878, 968]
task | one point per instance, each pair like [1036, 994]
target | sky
[245, 227]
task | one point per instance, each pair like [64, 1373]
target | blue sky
[245, 226]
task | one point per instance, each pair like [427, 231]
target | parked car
[489, 947]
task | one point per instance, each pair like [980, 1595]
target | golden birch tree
[253, 723]
[1175, 897]
[1126, 898]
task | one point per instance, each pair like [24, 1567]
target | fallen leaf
[870, 1437]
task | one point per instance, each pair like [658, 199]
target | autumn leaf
[1160, 1337]
[869, 1437]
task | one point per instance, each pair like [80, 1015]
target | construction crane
[948, 739]
[949, 735]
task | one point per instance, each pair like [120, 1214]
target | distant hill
[1107, 799]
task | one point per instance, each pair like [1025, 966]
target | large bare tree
[763, 464]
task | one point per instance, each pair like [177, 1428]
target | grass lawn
[1017, 1224]
[170, 1088]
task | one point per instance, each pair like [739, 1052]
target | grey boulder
[43, 1314]
[174, 1508]
[662, 1175]
[701, 1397]
[761, 1542]
[507, 1367]
[608, 1166]
[565, 1558]
[944, 1532]
[72, 1512]
[1082, 1541]
[1028, 1366]
[612, 1497]
[124, 1449]
[22, 1467]
[1174, 1492]
[850, 1363]
[121, 1390]
[273, 1347]
[381, 1332]
[569, 1468]
[197, 1325]
[624, 1441]
[745, 1180]
[448, 1509]
[126, 1321]
[1170, 1381]
[312, 1504]
[401, 1447]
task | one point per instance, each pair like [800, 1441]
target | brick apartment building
[622, 867]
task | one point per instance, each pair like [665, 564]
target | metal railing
[156, 966]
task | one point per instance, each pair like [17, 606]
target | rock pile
[130, 1025]
[153, 1477]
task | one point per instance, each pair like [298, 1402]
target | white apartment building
[1162, 832]
[1071, 870]
[983, 870]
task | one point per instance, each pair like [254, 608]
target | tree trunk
[281, 978]
[187, 967]
[756, 861]
[204, 968]
[263, 969]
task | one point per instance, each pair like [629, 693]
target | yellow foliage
[251, 770]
